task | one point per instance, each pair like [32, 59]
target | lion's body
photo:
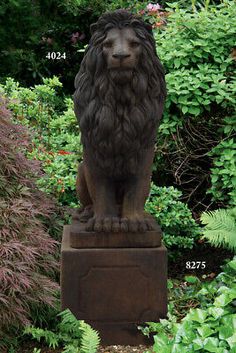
[119, 98]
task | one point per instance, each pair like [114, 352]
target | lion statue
[119, 99]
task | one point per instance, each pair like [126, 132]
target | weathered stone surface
[114, 289]
[81, 238]
[119, 99]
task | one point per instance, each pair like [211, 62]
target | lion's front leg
[102, 191]
[137, 188]
[134, 219]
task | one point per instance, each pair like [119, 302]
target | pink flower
[149, 7]
[153, 7]
[156, 7]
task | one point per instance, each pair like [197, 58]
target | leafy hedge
[175, 218]
[197, 134]
[56, 141]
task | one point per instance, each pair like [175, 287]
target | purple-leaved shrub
[28, 254]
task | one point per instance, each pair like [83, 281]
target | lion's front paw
[138, 224]
[105, 224]
[115, 224]
[83, 214]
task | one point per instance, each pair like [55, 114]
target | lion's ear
[148, 26]
[93, 27]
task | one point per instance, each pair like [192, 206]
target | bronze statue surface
[119, 99]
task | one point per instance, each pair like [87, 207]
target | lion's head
[120, 87]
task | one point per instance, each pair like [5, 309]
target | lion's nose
[120, 55]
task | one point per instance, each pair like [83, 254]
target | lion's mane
[118, 122]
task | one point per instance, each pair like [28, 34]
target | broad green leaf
[210, 344]
[205, 331]
[223, 300]
[216, 312]
[161, 340]
[184, 109]
[232, 340]
[233, 349]
[198, 344]
[194, 110]
[179, 348]
[198, 315]
[232, 264]
[191, 279]
[225, 332]
[185, 333]
[203, 291]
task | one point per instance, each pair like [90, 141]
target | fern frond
[70, 348]
[220, 227]
[77, 336]
[50, 337]
[90, 339]
[69, 324]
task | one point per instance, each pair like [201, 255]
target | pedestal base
[80, 238]
[114, 289]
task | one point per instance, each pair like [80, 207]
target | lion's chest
[116, 143]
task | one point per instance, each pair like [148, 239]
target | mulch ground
[213, 258]
[124, 349]
[29, 347]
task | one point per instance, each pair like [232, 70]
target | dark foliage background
[32, 28]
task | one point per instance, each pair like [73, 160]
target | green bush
[223, 173]
[201, 99]
[56, 141]
[209, 328]
[178, 226]
[60, 156]
[198, 72]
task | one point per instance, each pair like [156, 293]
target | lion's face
[121, 49]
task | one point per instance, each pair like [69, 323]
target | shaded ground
[29, 347]
[124, 349]
[213, 259]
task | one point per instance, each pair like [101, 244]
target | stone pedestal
[114, 289]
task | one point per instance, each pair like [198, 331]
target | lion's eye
[107, 44]
[134, 44]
